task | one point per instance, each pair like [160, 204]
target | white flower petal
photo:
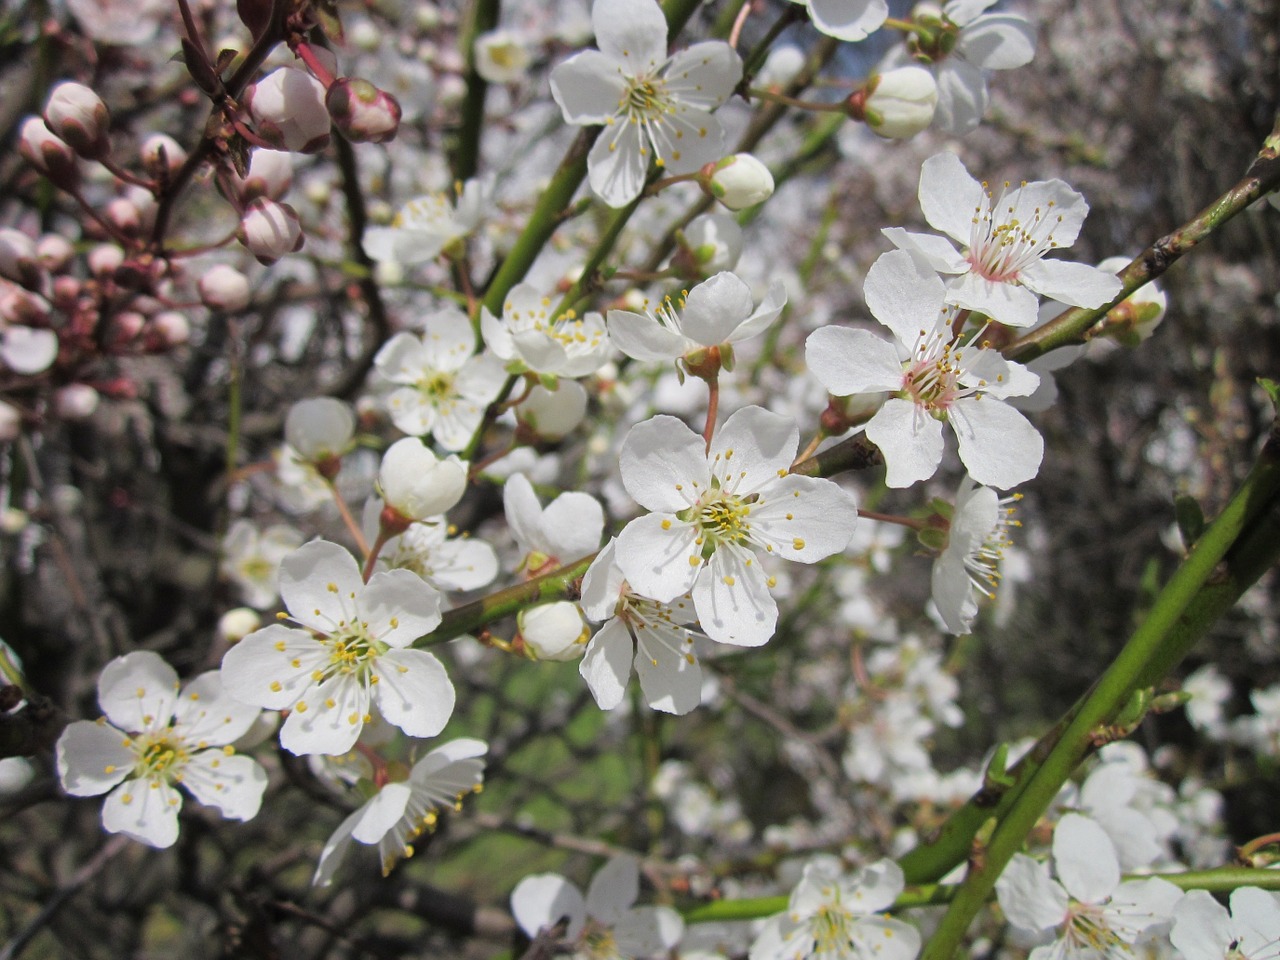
[714, 308]
[272, 667]
[998, 445]
[588, 88]
[804, 518]
[962, 96]
[92, 758]
[1078, 284]
[644, 338]
[138, 691]
[648, 931]
[670, 680]
[1005, 302]
[328, 719]
[950, 196]
[937, 252]
[316, 582]
[849, 361]
[413, 692]
[664, 464]
[768, 311]
[606, 667]
[574, 523]
[1084, 859]
[146, 810]
[998, 41]
[911, 442]
[705, 74]
[398, 607]
[632, 33]
[1202, 929]
[206, 712]
[614, 888]
[541, 900]
[904, 294]
[335, 851]
[732, 598]
[754, 447]
[658, 555]
[381, 812]
[232, 784]
[616, 168]
[1028, 897]
[850, 20]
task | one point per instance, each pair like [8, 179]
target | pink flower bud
[48, 154]
[77, 115]
[224, 288]
[126, 326]
[270, 175]
[161, 153]
[66, 291]
[361, 112]
[19, 306]
[170, 328]
[270, 230]
[124, 216]
[105, 259]
[287, 106]
[75, 401]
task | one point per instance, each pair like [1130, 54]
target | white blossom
[425, 226]
[528, 337]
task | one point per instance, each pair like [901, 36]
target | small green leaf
[1273, 391]
[1190, 517]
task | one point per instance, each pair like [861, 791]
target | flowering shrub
[521, 366]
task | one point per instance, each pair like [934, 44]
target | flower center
[723, 518]
[930, 379]
[350, 648]
[599, 942]
[1006, 238]
[1087, 928]
[647, 97]
[160, 755]
[437, 387]
[830, 927]
[983, 563]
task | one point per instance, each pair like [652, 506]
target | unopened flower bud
[740, 181]
[1136, 317]
[287, 106]
[235, 625]
[19, 260]
[361, 112]
[77, 115]
[781, 67]
[126, 326]
[48, 153]
[553, 414]
[170, 328]
[20, 306]
[270, 230]
[897, 103]
[161, 154]
[105, 259]
[54, 252]
[124, 216]
[28, 350]
[416, 483]
[224, 288]
[76, 401]
[501, 56]
[270, 175]
[712, 242]
[320, 429]
[553, 631]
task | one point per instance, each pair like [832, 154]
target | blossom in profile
[604, 925]
[717, 512]
[970, 563]
[1004, 236]
[427, 225]
[402, 810]
[346, 656]
[154, 738]
[716, 313]
[933, 377]
[832, 914]
[653, 107]
[529, 337]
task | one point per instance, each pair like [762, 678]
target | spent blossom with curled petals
[961, 44]
[1094, 914]
[657, 637]
[1204, 930]
[428, 225]
[933, 379]
[153, 738]
[604, 925]
[717, 511]
[970, 562]
[443, 386]
[718, 312]
[349, 656]
[654, 107]
[402, 810]
[528, 337]
[1004, 237]
[833, 916]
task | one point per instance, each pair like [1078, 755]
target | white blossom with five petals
[715, 511]
[349, 657]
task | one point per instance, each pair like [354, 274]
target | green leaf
[1190, 518]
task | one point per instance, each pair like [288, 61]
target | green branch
[482, 16]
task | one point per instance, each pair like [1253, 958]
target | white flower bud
[553, 414]
[28, 350]
[13, 521]
[19, 260]
[224, 288]
[76, 401]
[417, 484]
[362, 112]
[554, 631]
[105, 259]
[77, 115]
[270, 230]
[781, 66]
[715, 240]
[900, 103]
[235, 625]
[270, 175]
[319, 428]
[288, 107]
[741, 181]
[501, 56]
[171, 328]
[124, 216]
[48, 153]
[161, 153]
[55, 252]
